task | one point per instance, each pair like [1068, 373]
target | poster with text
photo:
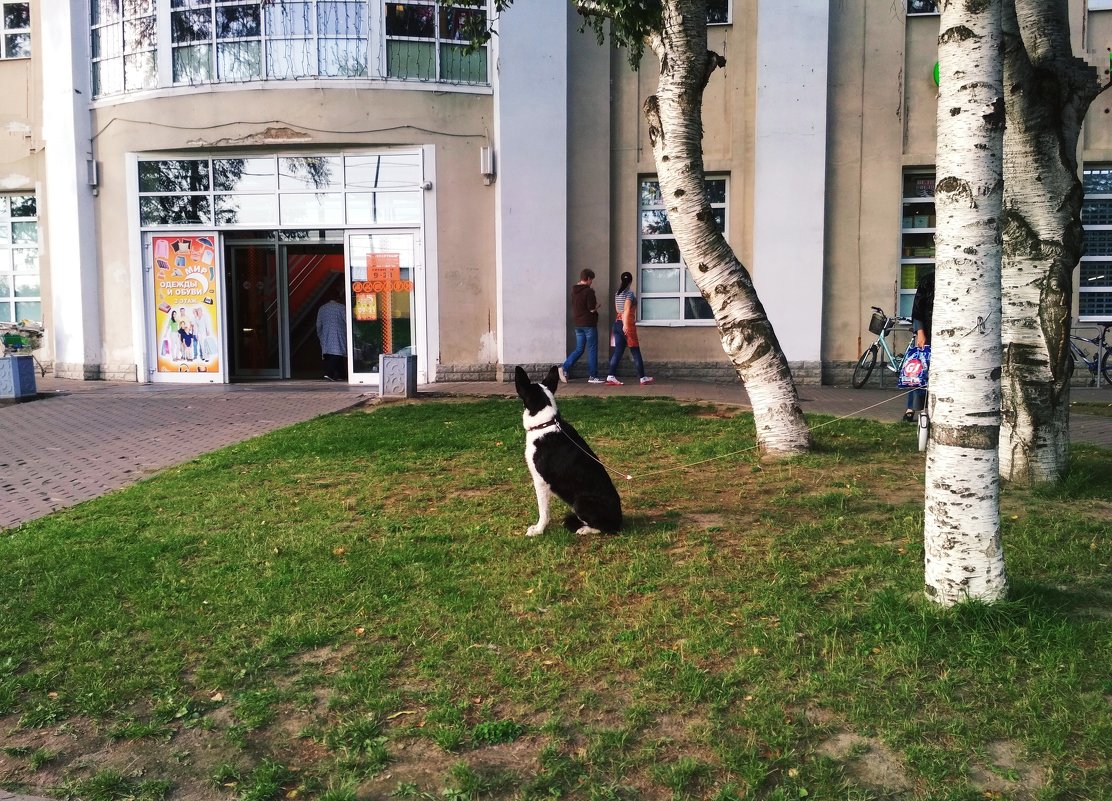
[187, 321]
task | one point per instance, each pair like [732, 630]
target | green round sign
[936, 73]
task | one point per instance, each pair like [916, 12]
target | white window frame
[5, 32]
[8, 248]
[687, 288]
[910, 13]
[1094, 258]
[111, 38]
[437, 42]
[729, 15]
[917, 219]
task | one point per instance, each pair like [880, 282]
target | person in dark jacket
[584, 313]
[922, 310]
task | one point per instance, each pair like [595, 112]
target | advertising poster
[187, 323]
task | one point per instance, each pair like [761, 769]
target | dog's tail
[572, 522]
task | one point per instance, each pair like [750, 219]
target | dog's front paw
[587, 530]
[534, 530]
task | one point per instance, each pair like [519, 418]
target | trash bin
[17, 378]
[397, 375]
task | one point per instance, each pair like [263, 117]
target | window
[428, 41]
[1094, 285]
[915, 7]
[15, 28]
[20, 297]
[668, 294]
[916, 235]
[267, 191]
[221, 41]
[718, 12]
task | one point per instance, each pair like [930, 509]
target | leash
[753, 447]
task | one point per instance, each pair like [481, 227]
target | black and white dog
[562, 463]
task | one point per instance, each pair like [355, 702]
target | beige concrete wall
[297, 119]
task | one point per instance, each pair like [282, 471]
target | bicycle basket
[877, 322]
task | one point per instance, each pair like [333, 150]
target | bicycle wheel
[1106, 366]
[864, 367]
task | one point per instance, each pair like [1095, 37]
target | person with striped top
[625, 332]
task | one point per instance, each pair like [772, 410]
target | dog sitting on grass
[563, 464]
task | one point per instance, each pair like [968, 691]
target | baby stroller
[914, 371]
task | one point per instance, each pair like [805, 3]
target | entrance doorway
[274, 292]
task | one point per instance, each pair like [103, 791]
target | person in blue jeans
[922, 311]
[584, 314]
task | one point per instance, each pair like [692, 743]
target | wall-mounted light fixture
[486, 164]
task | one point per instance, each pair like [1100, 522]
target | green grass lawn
[348, 609]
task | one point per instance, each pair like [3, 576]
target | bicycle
[881, 325]
[1103, 355]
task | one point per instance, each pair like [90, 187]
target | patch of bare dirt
[868, 761]
[1006, 771]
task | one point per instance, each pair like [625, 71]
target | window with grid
[145, 44]
[288, 191]
[915, 7]
[20, 297]
[1094, 284]
[916, 235]
[15, 33]
[718, 12]
[428, 41]
[667, 292]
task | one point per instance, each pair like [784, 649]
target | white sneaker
[563, 375]
[595, 380]
[612, 381]
[646, 379]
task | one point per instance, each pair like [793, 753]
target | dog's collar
[553, 422]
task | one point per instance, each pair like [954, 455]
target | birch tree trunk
[674, 116]
[1048, 93]
[964, 557]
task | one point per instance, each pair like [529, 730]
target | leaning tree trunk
[964, 557]
[1048, 93]
[674, 116]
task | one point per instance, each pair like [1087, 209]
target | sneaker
[595, 380]
[646, 379]
[910, 416]
[563, 374]
[612, 381]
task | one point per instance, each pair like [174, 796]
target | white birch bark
[674, 116]
[1048, 93]
[964, 557]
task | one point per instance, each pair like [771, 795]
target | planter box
[17, 378]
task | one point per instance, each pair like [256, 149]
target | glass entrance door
[383, 268]
[255, 313]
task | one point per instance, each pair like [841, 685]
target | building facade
[183, 184]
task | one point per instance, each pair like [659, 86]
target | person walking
[584, 315]
[332, 333]
[922, 310]
[625, 333]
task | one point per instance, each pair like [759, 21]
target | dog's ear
[521, 381]
[552, 380]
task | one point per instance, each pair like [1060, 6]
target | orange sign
[383, 267]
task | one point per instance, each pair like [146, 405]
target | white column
[790, 186]
[531, 119]
[70, 222]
